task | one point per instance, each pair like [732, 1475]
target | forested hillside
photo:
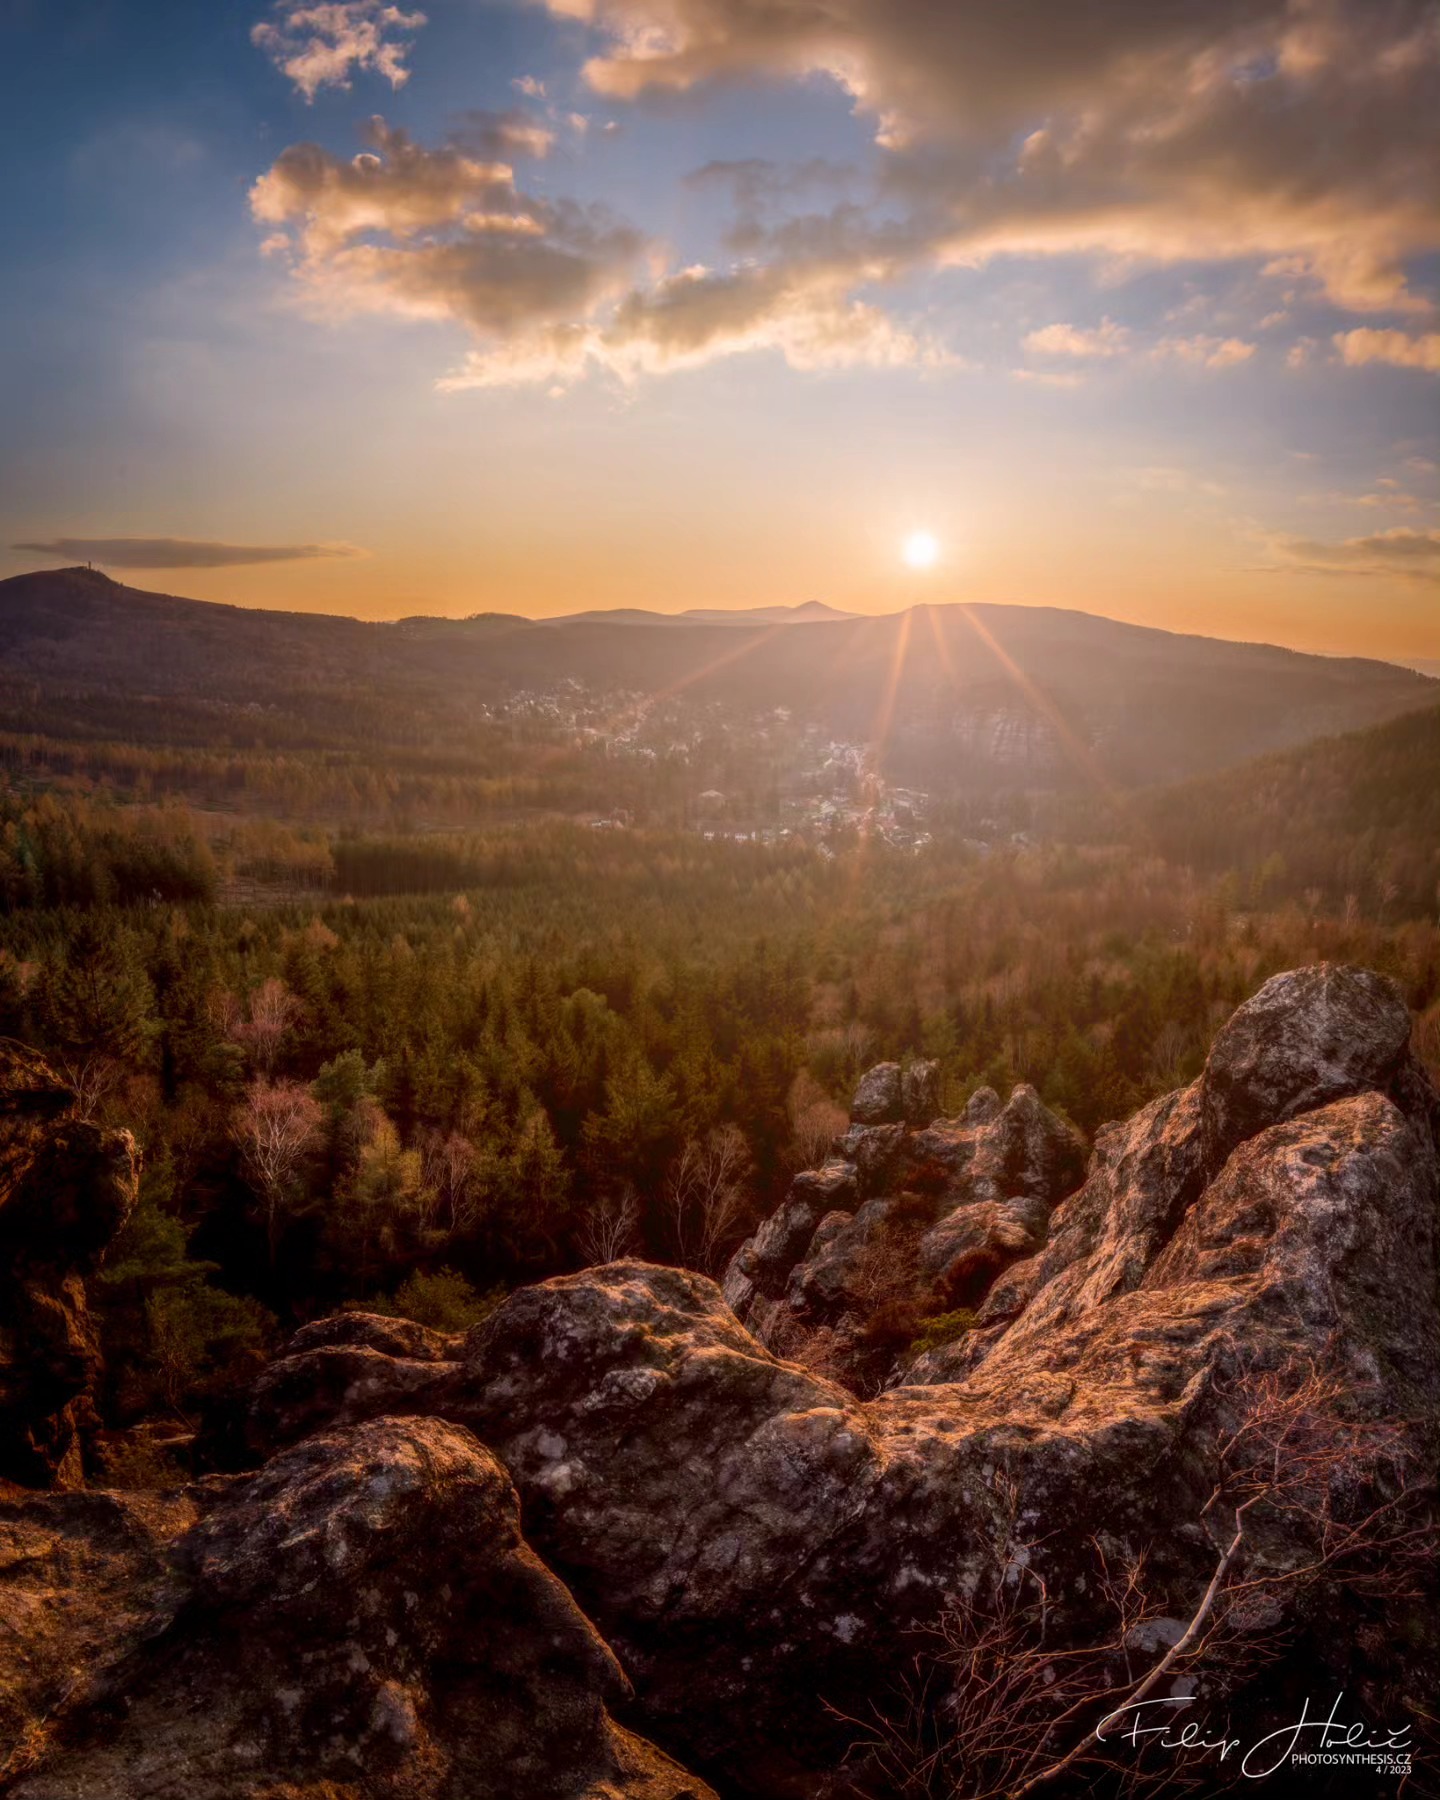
[1353, 817]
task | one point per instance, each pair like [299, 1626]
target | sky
[532, 306]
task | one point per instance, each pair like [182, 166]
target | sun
[921, 550]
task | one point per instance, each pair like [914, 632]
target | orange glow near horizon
[1345, 618]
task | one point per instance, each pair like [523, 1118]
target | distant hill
[1033, 697]
[808, 612]
[1358, 814]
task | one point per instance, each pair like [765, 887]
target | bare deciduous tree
[276, 1126]
[706, 1197]
[92, 1078]
[1167, 1050]
[450, 1180]
[815, 1122]
[608, 1230]
[271, 1011]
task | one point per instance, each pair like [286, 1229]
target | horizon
[1428, 667]
[671, 304]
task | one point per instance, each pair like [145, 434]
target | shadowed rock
[375, 1331]
[360, 1618]
[878, 1099]
[890, 1095]
[66, 1189]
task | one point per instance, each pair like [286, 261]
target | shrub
[942, 1328]
[445, 1301]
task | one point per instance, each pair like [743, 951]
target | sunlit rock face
[66, 1189]
[1007, 738]
[748, 1536]
[360, 1618]
[1310, 1036]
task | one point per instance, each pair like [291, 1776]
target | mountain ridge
[1042, 696]
[803, 612]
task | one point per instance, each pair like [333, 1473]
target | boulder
[872, 1151]
[1020, 1150]
[1307, 1037]
[360, 1618]
[759, 1271]
[835, 1277]
[305, 1389]
[891, 1095]
[374, 1331]
[85, 1579]
[67, 1188]
[920, 1092]
[879, 1097]
[963, 1254]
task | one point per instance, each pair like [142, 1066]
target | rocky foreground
[631, 1510]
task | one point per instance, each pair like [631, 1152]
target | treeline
[330, 784]
[74, 853]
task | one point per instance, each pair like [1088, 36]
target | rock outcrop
[352, 1365]
[359, 1619]
[1307, 1038]
[66, 1189]
[913, 1219]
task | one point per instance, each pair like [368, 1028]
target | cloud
[1206, 352]
[181, 553]
[1152, 130]
[1402, 551]
[1299, 135]
[1049, 378]
[1105, 339]
[697, 315]
[1397, 347]
[437, 234]
[322, 45]
[548, 286]
[502, 134]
